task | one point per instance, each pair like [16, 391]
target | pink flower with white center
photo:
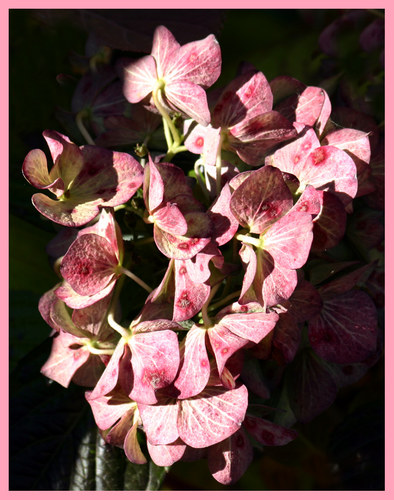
[83, 179]
[175, 76]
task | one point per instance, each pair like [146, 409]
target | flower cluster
[230, 286]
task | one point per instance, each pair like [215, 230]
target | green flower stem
[82, 128]
[245, 238]
[136, 279]
[204, 311]
[200, 178]
[176, 140]
[100, 351]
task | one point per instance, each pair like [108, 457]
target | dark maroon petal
[246, 96]
[212, 416]
[286, 338]
[305, 301]
[229, 460]
[284, 86]
[311, 387]
[330, 225]
[346, 329]
[267, 433]
[261, 199]
[253, 139]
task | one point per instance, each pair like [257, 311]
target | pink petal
[160, 421]
[107, 410]
[155, 361]
[330, 168]
[190, 99]
[289, 239]
[109, 378]
[224, 223]
[108, 178]
[355, 142]
[277, 282]
[76, 301]
[153, 187]
[61, 318]
[212, 416]
[64, 360]
[190, 296]
[224, 344]
[165, 455]
[170, 219]
[313, 108]
[89, 265]
[292, 157]
[163, 46]
[229, 460]
[178, 247]
[197, 62]
[139, 79]
[250, 326]
[195, 369]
